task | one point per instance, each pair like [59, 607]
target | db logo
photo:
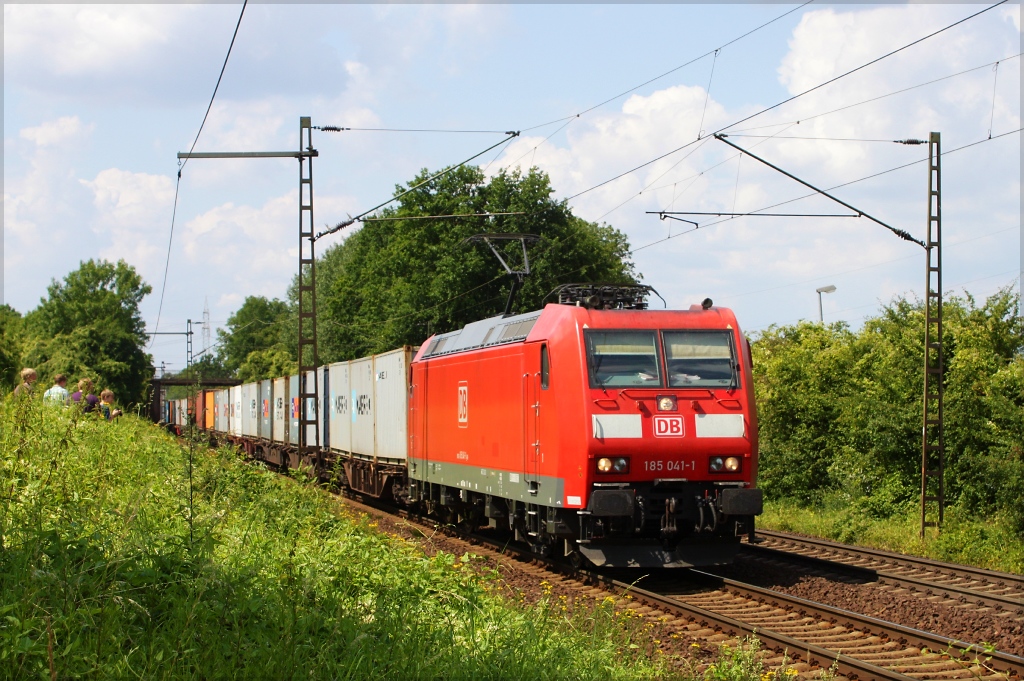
[463, 404]
[668, 426]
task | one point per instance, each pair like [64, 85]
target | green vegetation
[120, 560]
[840, 426]
[964, 539]
[259, 325]
[89, 325]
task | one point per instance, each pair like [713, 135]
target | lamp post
[824, 289]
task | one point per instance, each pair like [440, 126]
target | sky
[98, 100]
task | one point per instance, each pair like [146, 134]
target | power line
[181, 167]
[670, 71]
[569, 119]
[351, 221]
[790, 124]
[891, 94]
[335, 128]
[438, 217]
[838, 186]
[834, 139]
[789, 99]
[859, 269]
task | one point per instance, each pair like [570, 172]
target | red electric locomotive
[595, 427]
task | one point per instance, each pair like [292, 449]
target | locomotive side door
[536, 412]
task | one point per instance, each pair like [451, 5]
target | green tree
[841, 412]
[259, 324]
[270, 363]
[397, 281]
[11, 341]
[89, 325]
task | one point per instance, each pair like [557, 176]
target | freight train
[594, 429]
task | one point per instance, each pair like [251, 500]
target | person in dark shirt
[84, 397]
[107, 405]
[28, 377]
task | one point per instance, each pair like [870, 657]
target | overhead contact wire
[838, 186]
[670, 71]
[790, 99]
[181, 167]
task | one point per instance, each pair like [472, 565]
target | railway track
[815, 636]
[863, 646]
[957, 584]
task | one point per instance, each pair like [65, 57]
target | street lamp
[824, 289]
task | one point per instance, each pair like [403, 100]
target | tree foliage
[89, 325]
[841, 411]
[396, 281]
[269, 363]
[11, 340]
[259, 324]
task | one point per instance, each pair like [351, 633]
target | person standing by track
[84, 397]
[58, 393]
[107, 405]
[28, 377]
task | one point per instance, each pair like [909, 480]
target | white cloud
[51, 133]
[82, 39]
[132, 218]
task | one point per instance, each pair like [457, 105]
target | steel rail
[1004, 662]
[914, 562]
[816, 655]
[954, 592]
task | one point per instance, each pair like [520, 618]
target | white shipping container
[236, 410]
[266, 427]
[280, 409]
[218, 402]
[251, 410]
[311, 406]
[293, 409]
[361, 378]
[391, 403]
[341, 407]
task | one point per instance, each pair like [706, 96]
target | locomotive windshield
[693, 359]
[699, 359]
[623, 358]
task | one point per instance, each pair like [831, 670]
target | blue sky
[99, 98]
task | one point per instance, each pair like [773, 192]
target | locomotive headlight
[724, 464]
[667, 403]
[613, 465]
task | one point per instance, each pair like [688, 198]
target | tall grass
[990, 544]
[109, 570]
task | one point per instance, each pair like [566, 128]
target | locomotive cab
[673, 440]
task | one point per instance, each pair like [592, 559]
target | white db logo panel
[463, 404]
[668, 426]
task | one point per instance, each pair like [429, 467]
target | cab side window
[545, 368]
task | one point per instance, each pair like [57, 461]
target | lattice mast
[933, 453]
[307, 346]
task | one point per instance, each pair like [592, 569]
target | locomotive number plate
[669, 465]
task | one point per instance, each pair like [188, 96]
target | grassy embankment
[116, 562]
[987, 544]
